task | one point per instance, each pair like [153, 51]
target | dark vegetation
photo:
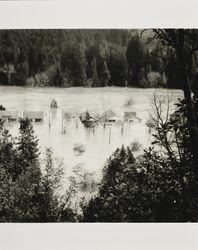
[86, 58]
[158, 186]
[161, 185]
[27, 193]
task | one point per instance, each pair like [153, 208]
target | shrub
[79, 148]
[135, 146]
[54, 104]
[88, 183]
[2, 107]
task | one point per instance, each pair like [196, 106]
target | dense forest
[92, 58]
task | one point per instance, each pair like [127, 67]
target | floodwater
[99, 142]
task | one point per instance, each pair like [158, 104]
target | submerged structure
[34, 116]
[131, 117]
[110, 116]
[9, 116]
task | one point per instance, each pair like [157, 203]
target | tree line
[92, 58]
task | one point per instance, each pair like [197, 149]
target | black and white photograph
[99, 125]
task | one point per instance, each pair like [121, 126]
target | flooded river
[99, 142]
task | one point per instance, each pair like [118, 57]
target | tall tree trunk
[187, 95]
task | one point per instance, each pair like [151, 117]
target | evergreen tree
[135, 58]
[27, 144]
[105, 74]
[94, 72]
[117, 65]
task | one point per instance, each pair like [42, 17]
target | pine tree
[94, 72]
[28, 152]
[135, 57]
[105, 74]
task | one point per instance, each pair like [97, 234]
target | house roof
[33, 114]
[116, 118]
[137, 119]
[108, 114]
[8, 114]
[129, 114]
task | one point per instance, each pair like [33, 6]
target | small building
[107, 115]
[134, 119]
[34, 116]
[8, 116]
[131, 117]
[113, 119]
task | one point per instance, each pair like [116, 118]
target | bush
[54, 104]
[135, 146]
[2, 107]
[88, 183]
[79, 148]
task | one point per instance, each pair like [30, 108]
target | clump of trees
[30, 188]
[92, 58]
[161, 185]
[2, 107]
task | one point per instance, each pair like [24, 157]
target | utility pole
[110, 135]
[62, 121]
[49, 121]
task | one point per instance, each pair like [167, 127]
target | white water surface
[75, 101]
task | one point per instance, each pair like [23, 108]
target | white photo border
[99, 14]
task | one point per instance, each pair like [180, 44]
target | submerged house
[131, 117]
[113, 119]
[109, 116]
[8, 116]
[34, 116]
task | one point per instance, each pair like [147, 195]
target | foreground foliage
[30, 189]
[159, 186]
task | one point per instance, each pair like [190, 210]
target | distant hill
[83, 58]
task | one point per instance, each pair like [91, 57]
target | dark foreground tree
[29, 188]
[185, 43]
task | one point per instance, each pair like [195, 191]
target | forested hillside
[92, 58]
